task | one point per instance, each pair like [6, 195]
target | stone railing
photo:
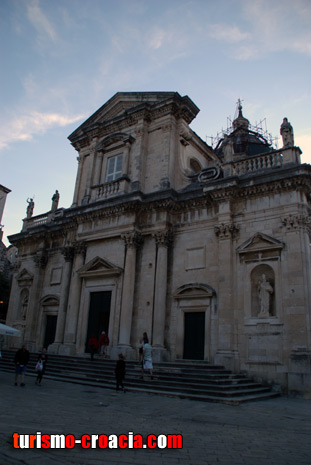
[44, 218]
[272, 160]
[266, 161]
[36, 220]
[110, 189]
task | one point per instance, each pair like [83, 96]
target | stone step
[208, 382]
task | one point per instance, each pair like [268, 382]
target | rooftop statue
[30, 207]
[287, 133]
[55, 200]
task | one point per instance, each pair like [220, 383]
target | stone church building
[206, 249]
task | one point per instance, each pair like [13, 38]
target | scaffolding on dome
[259, 128]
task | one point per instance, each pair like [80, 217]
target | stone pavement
[271, 432]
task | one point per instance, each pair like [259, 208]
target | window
[114, 168]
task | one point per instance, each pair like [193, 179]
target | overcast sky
[63, 59]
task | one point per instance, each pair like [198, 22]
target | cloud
[285, 28]
[27, 126]
[157, 39]
[266, 27]
[227, 33]
[40, 21]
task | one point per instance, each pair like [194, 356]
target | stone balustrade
[110, 189]
[36, 220]
[250, 164]
[272, 160]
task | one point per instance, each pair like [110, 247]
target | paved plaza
[276, 431]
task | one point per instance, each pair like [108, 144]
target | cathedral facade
[205, 249]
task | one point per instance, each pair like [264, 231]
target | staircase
[197, 380]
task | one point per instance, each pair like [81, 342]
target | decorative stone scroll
[208, 174]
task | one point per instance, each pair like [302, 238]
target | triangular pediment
[99, 267]
[261, 246]
[24, 276]
[124, 104]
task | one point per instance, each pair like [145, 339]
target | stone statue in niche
[30, 207]
[265, 290]
[24, 308]
[55, 200]
[287, 133]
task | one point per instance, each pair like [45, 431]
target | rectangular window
[114, 168]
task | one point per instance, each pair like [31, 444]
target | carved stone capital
[79, 248]
[41, 259]
[226, 231]
[163, 238]
[132, 239]
[16, 266]
[295, 222]
[68, 253]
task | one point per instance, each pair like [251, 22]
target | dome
[245, 140]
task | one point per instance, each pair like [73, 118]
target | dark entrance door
[50, 330]
[194, 335]
[98, 315]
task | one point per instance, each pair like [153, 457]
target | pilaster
[132, 241]
[74, 298]
[163, 240]
[40, 260]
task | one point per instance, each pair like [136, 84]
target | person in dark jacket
[120, 372]
[93, 345]
[42, 359]
[21, 360]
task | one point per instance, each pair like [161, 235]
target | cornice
[235, 188]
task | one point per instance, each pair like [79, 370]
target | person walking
[41, 366]
[21, 360]
[120, 373]
[147, 361]
[103, 342]
[142, 341]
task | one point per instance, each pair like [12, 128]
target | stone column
[132, 241]
[163, 239]
[34, 300]
[61, 318]
[74, 297]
